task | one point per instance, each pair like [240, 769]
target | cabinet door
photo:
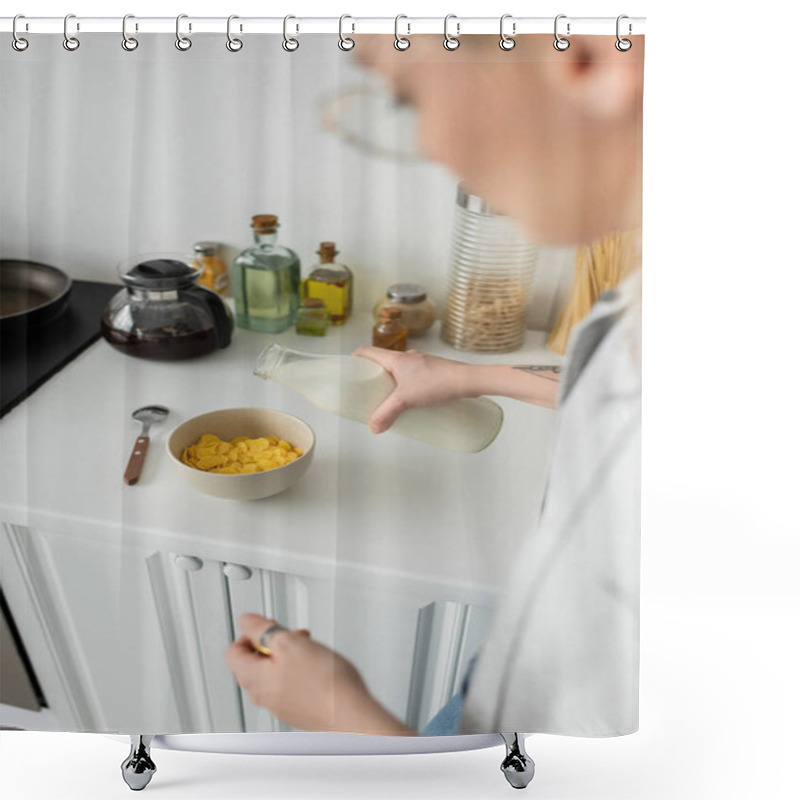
[412, 652]
[127, 640]
[67, 598]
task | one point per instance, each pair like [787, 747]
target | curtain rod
[406, 26]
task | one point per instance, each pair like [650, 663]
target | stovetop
[27, 360]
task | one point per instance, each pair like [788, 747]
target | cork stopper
[327, 252]
[265, 223]
[389, 313]
[313, 302]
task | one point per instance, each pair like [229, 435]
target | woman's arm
[424, 380]
[306, 684]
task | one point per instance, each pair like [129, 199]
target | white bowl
[228, 423]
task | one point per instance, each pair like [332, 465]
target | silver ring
[561, 44]
[400, 42]
[70, 43]
[233, 44]
[182, 42]
[451, 42]
[506, 42]
[345, 42]
[129, 43]
[289, 44]
[269, 633]
[623, 45]
[17, 42]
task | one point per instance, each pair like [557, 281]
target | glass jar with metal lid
[490, 282]
[215, 272]
[417, 312]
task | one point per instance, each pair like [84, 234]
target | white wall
[106, 154]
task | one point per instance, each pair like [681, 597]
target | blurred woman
[552, 139]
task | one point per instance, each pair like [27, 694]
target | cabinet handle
[189, 563]
[237, 572]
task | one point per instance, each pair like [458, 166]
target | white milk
[353, 387]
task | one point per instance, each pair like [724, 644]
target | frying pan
[31, 294]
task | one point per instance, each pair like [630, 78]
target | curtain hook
[400, 42]
[233, 44]
[561, 44]
[182, 42]
[129, 43]
[451, 42]
[345, 42]
[70, 43]
[506, 42]
[290, 44]
[623, 45]
[17, 42]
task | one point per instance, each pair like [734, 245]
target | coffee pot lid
[161, 274]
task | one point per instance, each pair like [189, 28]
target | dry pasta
[599, 266]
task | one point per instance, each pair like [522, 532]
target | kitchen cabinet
[389, 550]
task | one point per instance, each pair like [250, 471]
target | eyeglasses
[369, 117]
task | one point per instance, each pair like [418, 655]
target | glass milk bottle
[266, 280]
[353, 387]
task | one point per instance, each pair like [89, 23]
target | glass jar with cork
[313, 318]
[390, 333]
[266, 280]
[331, 282]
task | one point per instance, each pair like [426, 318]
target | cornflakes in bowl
[242, 453]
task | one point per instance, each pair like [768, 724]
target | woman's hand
[422, 380]
[306, 684]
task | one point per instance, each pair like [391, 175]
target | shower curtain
[470, 593]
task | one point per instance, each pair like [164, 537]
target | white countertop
[373, 508]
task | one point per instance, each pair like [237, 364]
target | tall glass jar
[266, 280]
[491, 272]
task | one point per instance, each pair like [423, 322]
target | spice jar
[313, 318]
[417, 312]
[215, 273]
[390, 333]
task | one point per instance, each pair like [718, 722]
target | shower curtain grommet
[507, 42]
[289, 43]
[401, 43]
[183, 43]
[129, 43]
[345, 42]
[623, 45]
[18, 42]
[451, 42]
[561, 44]
[233, 44]
[70, 43]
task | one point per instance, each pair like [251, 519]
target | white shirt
[563, 653]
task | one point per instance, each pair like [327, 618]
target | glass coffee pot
[163, 313]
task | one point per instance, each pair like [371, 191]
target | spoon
[147, 415]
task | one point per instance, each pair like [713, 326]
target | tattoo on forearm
[541, 370]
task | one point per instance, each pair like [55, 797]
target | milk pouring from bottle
[353, 387]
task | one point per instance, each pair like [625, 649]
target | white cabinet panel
[99, 659]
